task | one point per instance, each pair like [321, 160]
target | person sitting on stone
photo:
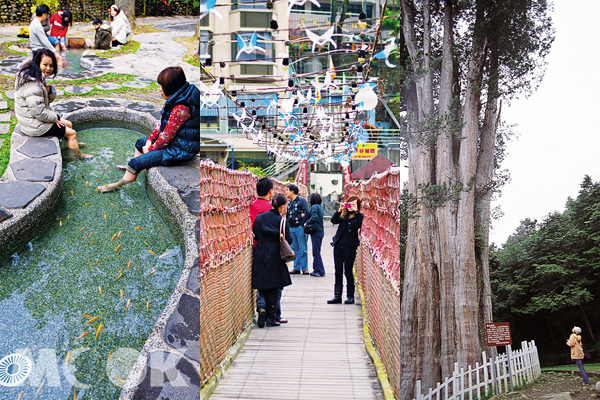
[32, 102]
[176, 139]
[60, 23]
[37, 36]
[45, 22]
[103, 38]
[119, 25]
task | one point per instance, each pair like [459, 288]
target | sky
[558, 127]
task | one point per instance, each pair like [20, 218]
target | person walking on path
[269, 271]
[264, 191]
[297, 215]
[32, 102]
[37, 36]
[577, 354]
[345, 242]
[176, 139]
[316, 238]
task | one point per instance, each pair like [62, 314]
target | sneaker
[295, 271]
[262, 315]
[315, 274]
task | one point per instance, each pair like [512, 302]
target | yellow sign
[365, 151]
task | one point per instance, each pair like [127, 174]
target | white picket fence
[478, 383]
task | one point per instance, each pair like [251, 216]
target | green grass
[7, 45]
[573, 367]
[128, 48]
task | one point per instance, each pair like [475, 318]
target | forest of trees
[546, 277]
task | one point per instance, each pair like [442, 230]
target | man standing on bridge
[297, 215]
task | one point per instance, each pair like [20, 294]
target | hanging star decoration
[248, 46]
[304, 99]
[293, 3]
[209, 7]
[243, 116]
[320, 86]
[322, 39]
[387, 50]
[272, 103]
[210, 95]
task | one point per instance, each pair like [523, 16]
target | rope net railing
[378, 265]
[225, 246]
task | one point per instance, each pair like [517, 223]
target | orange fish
[128, 303]
[92, 319]
[118, 247]
[84, 334]
[120, 274]
[98, 331]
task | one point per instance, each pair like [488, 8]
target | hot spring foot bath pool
[81, 298]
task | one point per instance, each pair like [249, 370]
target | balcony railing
[300, 20]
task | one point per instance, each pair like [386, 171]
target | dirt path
[554, 383]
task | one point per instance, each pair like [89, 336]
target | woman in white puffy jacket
[119, 24]
[32, 102]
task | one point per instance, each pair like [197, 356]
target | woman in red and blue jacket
[59, 25]
[177, 137]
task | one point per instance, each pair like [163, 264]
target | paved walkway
[319, 354]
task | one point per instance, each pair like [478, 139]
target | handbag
[309, 229]
[285, 250]
[586, 354]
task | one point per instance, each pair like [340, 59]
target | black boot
[350, 299]
[337, 295]
[262, 314]
[271, 317]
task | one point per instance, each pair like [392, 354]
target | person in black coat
[345, 242]
[269, 271]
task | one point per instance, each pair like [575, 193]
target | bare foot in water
[81, 144]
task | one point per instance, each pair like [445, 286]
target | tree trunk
[587, 323]
[128, 6]
[446, 294]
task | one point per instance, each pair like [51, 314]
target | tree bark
[128, 6]
[446, 294]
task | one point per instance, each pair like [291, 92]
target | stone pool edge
[18, 227]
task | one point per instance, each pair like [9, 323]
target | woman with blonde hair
[577, 354]
[345, 242]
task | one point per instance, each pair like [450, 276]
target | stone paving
[34, 168]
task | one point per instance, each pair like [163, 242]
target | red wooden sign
[498, 334]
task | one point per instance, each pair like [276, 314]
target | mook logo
[21, 366]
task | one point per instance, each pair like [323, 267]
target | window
[268, 55]
[204, 49]
[325, 7]
[248, 4]
[205, 21]
[209, 121]
[255, 20]
[256, 69]
[358, 8]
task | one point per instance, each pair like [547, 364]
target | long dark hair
[67, 14]
[32, 68]
[278, 200]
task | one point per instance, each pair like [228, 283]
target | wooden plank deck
[319, 354]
